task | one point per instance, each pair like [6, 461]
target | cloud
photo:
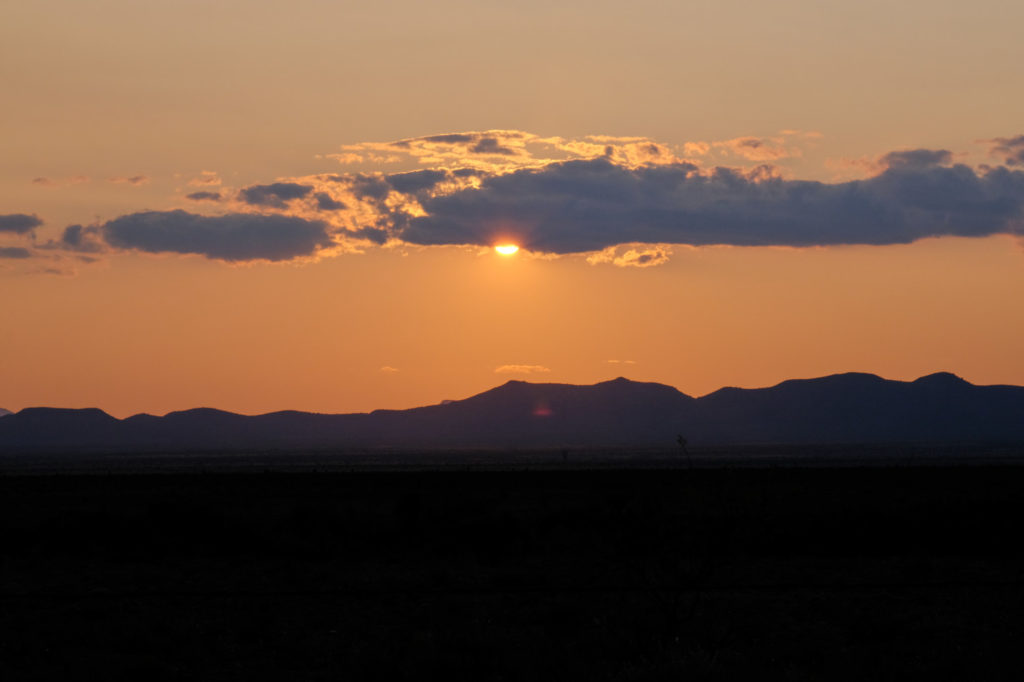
[787, 144]
[49, 182]
[696, 148]
[325, 202]
[275, 195]
[632, 258]
[14, 252]
[204, 196]
[916, 158]
[134, 180]
[82, 239]
[624, 362]
[588, 205]
[758, 148]
[505, 150]
[491, 145]
[806, 134]
[370, 187]
[348, 158]
[205, 179]
[521, 369]
[19, 223]
[373, 234]
[452, 138]
[642, 258]
[416, 181]
[234, 237]
[387, 369]
[867, 166]
[624, 201]
[1010, 148]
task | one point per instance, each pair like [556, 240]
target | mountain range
[839, 409]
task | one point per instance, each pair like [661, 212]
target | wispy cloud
[50, 182]
[1011, 149]
[505, 150]
[640, 257]
[134, 180]
[758, 148]
[205, 179]
[521, 369]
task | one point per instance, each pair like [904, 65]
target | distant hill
[4, 413]
[839, 409]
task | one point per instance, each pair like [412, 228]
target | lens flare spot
[506, 249]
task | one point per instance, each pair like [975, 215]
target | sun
[506, 249]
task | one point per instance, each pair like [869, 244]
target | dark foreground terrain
[768, 573]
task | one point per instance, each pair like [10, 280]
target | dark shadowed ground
[773, 572]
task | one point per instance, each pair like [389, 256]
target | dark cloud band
[14, 252]
[233, 237]
[588, 205]
[19, 223]
[917, 158]
[275, 195]
[204, 196]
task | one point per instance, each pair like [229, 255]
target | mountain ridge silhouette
[847, 408]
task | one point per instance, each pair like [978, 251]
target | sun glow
[506, 249]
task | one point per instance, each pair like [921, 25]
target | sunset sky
[265, 205]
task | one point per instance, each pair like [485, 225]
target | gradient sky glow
[264, 205]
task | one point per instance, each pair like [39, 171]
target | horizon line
[510, 381]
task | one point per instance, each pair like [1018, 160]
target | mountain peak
[93, 413]
[202, 412]
[942, 379]
[848, 377]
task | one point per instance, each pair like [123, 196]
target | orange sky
[117, 111]
[191, 332]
